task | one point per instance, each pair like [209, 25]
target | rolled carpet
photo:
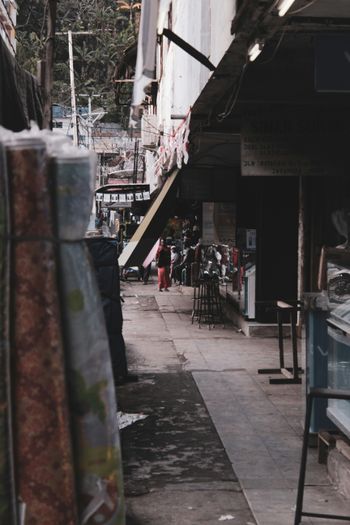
[42, 444]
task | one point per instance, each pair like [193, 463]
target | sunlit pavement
[257, 426]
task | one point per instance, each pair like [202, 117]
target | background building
[8, 18]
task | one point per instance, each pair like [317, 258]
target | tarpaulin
[152, 225]
[20, 100]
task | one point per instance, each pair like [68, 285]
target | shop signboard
[295, 143]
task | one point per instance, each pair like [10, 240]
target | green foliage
[112, 24]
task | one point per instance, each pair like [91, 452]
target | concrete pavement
[259, 425]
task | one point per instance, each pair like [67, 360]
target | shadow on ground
[176, 470]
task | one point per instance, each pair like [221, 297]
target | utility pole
[72, 82]
[50, 47]
[136, 160]
[90, 121]
[72, 89]
[89, 124]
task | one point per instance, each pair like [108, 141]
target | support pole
[89, 124]
[50, 48]
[72, 87]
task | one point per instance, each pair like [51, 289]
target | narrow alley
[219, 443]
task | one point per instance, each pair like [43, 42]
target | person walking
[174, 262]
[163, 265]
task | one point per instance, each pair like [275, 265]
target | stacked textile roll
[64, 433]
[94, 411]
[42, 438]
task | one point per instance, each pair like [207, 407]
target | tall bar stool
[195, 300]
[209, 308]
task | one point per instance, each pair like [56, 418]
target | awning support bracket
[188, 49]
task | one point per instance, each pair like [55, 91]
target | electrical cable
[233, 99]
[302, 8]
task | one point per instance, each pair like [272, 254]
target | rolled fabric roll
[93, 402]
[8, 507]
[43, 448]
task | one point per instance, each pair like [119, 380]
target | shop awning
[152, 225]
[122, 188]
[20, 100]
[122, 195]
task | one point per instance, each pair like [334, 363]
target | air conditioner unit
[149, 131]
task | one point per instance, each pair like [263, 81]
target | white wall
[205, 24]
[222, 14]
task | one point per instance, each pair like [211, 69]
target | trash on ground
[226, 517]
[125, 420]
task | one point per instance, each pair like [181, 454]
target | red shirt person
[163, 264]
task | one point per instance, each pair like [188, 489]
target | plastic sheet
[43, 452]
[93, 402]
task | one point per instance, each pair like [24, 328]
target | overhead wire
[302, 8]
[234, 97]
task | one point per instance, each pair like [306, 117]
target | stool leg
[293, 327]
[301, 482]
[280, 337]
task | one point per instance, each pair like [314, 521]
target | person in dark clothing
[104, 252]
[188, 259]
[163, 263]
[145, 273]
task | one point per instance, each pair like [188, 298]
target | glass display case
[339, 374]
[316, 313]
[338, 287]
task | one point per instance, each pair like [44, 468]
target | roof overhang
[238, 83]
